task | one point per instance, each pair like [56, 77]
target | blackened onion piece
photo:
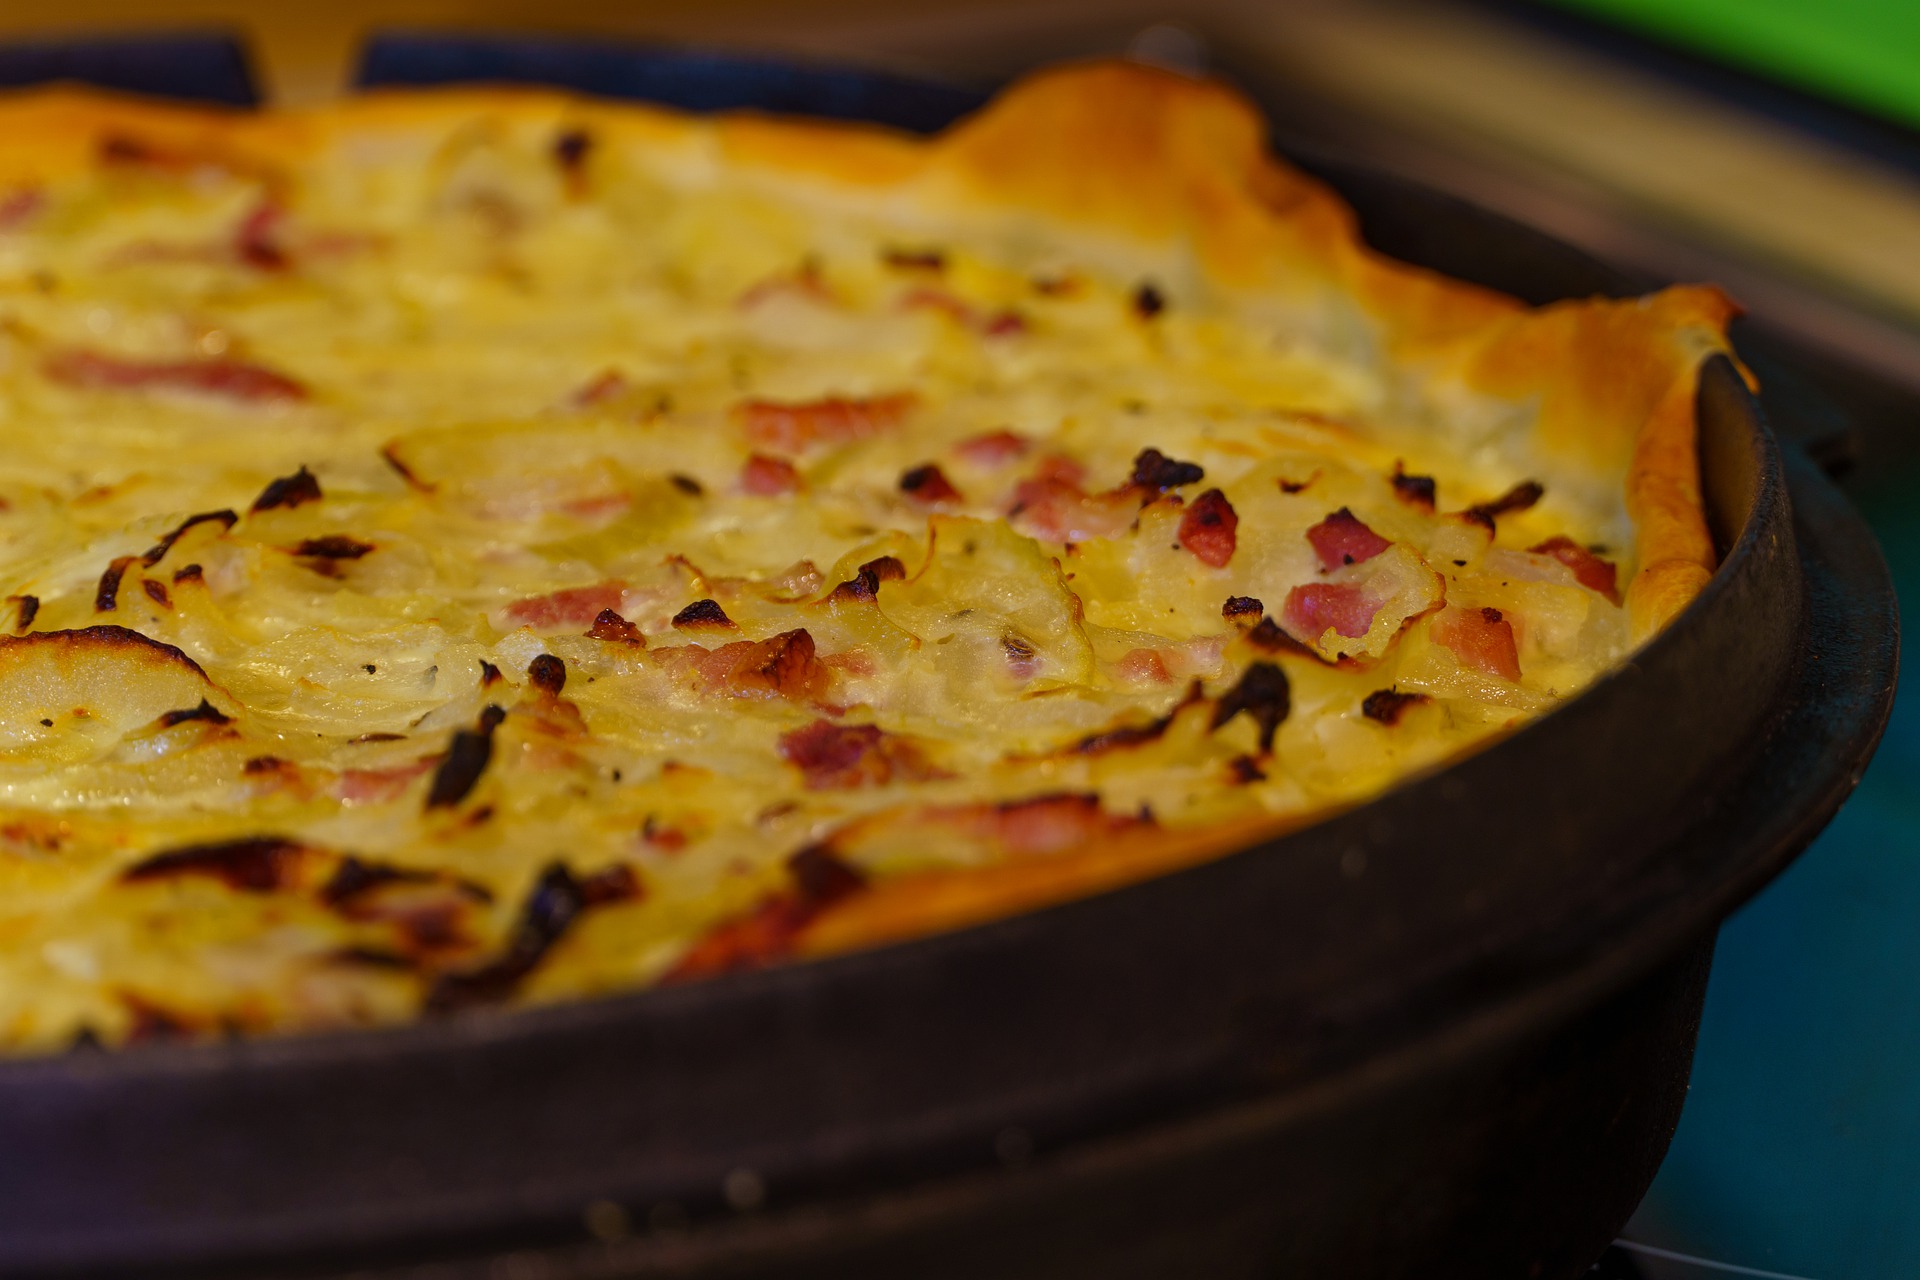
[1240, 608]
[467, 757]
[1387, 705]
[915, 259]
[1264, 694]
[392, 458]
[257, 864]
[157, 592]
[29, 609]
[1267, 636]
[158, 550]
[355, 877]
[1518, 498]
[295, 490]
[489, 674]
[106, 597]
[821, 878]
[687, 484]
[205, 711]
[1418, 491]
[866, 584]
[556, 902]
[1148, 301]
[1133, 735]
[333, 546]
[548, 674]
[1155, 471]
[702, 613]
[571, 148]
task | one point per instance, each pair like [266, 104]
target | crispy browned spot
[555, 903]
[391, 457]
[929, 484]
[157, 592]
[865, 585]
[1240, 608]
[1148, 301]
[914, 259]
[1132, 735]
[106, 597]
[467, 755]
[332, 546]
[1155, 472]
[1263, 693]
[1388, 705]
[254, 864]
[611, 627]
[205, 711]
[702, 614]
[1518, 498]
[1418, 491]
[820, 878]
[548, 674]
[157, 552]
[295, 490]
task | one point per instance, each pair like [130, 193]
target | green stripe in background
[1865, 53]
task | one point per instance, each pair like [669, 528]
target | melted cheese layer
[606, 569]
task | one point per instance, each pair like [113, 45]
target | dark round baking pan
[1446, 1033]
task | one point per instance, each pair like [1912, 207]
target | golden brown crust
[1171, 172]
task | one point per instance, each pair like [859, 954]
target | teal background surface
[1799, 1150]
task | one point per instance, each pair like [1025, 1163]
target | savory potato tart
[466, 548]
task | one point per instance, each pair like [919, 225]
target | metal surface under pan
[1445, 1034]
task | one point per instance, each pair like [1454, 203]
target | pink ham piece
[1342, 539]
[1060, 511]
[1209, 529]
[1589, 570]
[1481, 638]
[572, 609]
[994, 449]
[1315, 606]
[765, 476]
[838, 757]
[791, 428]
[227, 378]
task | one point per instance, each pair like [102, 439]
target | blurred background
[1771, 146]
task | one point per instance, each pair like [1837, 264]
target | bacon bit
[1148, 301]
[377, 786]
[608, 385]
[1060, 511]
[28, 608]
[929, 486]
[1155, 472]
[295, 490]
[106, 597]
[1342, 539]
[1239, 608]
[614, 629]
[784, 666]
[1143, 666]
[1518, 498]
[1481, 638]
[865, 585]
[551, 909]
[156, 592]
[834, 757]
[570, 607]
[1208, 529]
[993, 449]
[205, 711]
[1245, 771]
[791, 428]
[1059, 467]
[768, 933]
[1417, 491]
[666, 839]
[703, 615]
[228, 378]
[20, 204]
[1387, 705]
[1315, 606]
[1263, 693]
[548, 674]
[467, 755]
[157, 552]
[915, 259]
[256, 864]
[391, 457]
[1589, 570]
[765, 476]
[257, 243]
